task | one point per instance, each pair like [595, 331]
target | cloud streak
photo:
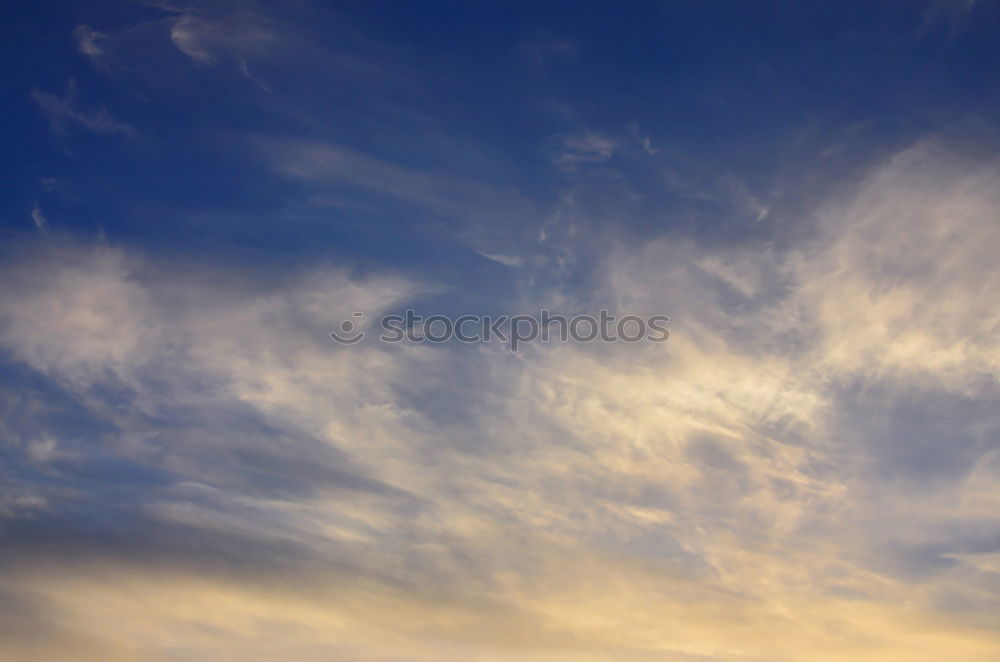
[63, 111]
[807, 469]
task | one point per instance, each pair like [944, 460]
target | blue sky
[198, 193]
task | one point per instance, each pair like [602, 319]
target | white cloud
[579, 150]
[326, 164]
[762, 486]
[38, 218]
[506, 260]
[207, 40]
[64, 110]
[88, 42]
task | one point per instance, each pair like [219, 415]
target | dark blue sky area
[453, 118]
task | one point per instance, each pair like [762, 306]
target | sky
[196, 194]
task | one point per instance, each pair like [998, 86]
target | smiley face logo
[348, 334]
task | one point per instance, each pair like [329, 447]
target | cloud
[326, 164]
[541, 52]
[506, 260]
[272, 49]
[807, 469]
[580, 150]
[38, 218]
[206, 40]
[63, 110]
[88, 41]
[953, 13]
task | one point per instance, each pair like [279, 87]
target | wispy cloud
[808, 469]
[422, 502]
[63, 111]
[588, 148]
[206, 40]
[38, 218]
[322, 163]
[88, 42]
[542, 51]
